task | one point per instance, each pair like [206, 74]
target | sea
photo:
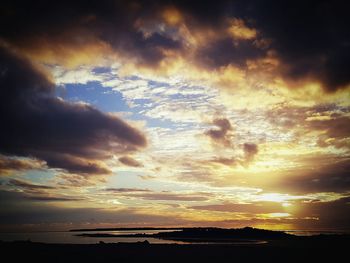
[67, 237]
[59, 237]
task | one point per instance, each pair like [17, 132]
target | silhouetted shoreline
[125, 229]
[215, 235]
[204, 245]
[332, 248]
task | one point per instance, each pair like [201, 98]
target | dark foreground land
[279, 247]
[137, 252]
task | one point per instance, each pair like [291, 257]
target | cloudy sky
[175, 113]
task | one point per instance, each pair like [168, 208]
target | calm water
[313, 233]
[71, 238]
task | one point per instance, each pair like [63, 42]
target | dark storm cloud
[224, 52]
[75, 24]
[221, 135]
[8, 165]
[74, 165]
[37, 124]
[310, 38]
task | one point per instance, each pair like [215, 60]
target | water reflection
[72, 238]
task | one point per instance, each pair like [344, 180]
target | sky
[174, 113]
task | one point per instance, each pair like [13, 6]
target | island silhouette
[201, 245]
[199, 234]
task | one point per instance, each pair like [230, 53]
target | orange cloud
[239, 31]
[172, 16]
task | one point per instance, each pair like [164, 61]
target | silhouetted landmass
[124, 229]
[245, 235]
[206, 234]
[223, 234]
[280, 247]
[332, 248]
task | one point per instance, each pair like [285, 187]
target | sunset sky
[175, 113]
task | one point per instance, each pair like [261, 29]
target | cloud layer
[312, 47]
[245, 105]
[74, 137]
